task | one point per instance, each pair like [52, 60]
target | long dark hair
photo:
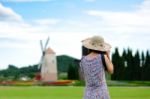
[86, 51]
[96, 51]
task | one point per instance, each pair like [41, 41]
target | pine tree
[115, 60]
[124, 58]
[146, 67]
[142, 65]
[129, 65]
[136, 66]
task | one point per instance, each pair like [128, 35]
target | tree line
[14, 73]
[129, 66]
[65, 64]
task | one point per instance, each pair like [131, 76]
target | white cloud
[7, 14]
[126, 21]
[129, 28]
[122, 18]
[144, 5]
[47, 22]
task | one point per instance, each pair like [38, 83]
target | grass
[39, 92]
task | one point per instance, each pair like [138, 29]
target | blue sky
[23, 23]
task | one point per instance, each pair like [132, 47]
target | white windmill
[48, 63]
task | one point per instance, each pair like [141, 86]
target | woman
[93, 69]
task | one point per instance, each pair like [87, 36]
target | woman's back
[93, 70]
[94, 74]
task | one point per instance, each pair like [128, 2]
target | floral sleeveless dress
[94, 75]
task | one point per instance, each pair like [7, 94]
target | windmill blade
[46, 43]
[41, 62]
[41, 44]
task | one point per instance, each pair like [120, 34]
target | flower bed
[58, 83]
[30, 83]
[17, 83]
[7, 82]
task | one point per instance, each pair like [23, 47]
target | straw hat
[96, 43]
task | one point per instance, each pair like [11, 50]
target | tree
[136, 67]
[12, 72]
[146, 67]
[142, 65]
[124, 59]
[73, 73]
[129, 68]
[116, 59]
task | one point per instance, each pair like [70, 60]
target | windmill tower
[48, 63]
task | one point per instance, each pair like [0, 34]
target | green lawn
[36, 92]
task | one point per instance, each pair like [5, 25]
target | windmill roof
[50, 51]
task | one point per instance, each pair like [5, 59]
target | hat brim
[105, 47]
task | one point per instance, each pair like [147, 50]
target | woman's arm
[109, 65]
